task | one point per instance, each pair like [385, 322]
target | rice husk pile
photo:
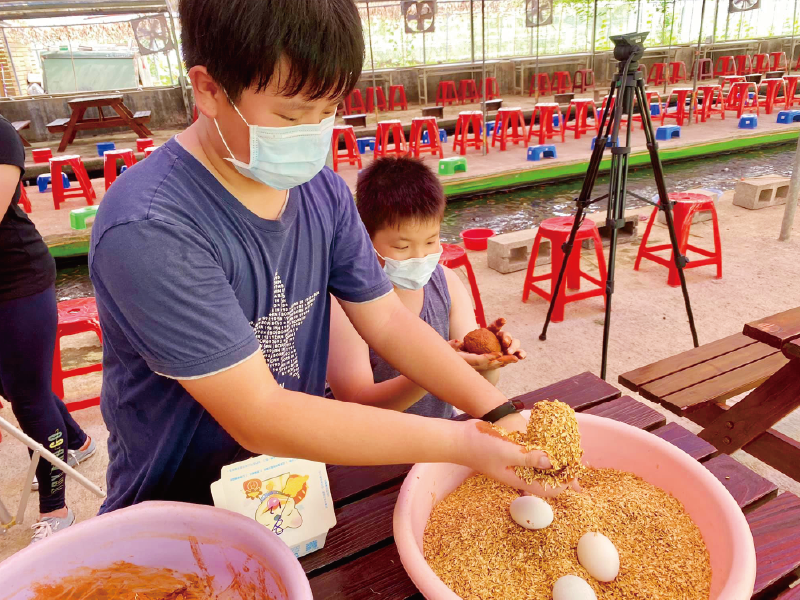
[477, 550]
[553, 428]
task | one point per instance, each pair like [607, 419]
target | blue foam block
[609, 143]
[103, 147]
[668, 132]
[43, 181]
[556, 121]
[542, 151]
[369, 142]
[788, 116]
[748, 122]
[655, 109]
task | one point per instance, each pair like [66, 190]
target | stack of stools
[491, 89]
[461, 138]
[561, 82]
[509, 118]
[725, 65]
[395, 129]
[110, 163]
[350, 154]
[546, 129]
[354, 103]
[394, 101]
[739, 98]
[658, 74]
[791, 90]
[75, 316]
[744, 65]
[761, 63]
[773, 86]
[84, 188]
[375, 95]
[713, 102]
[446, 93]
[543, 84]
[557, 231]
[778, 61]
[679, 114]
[581, 123]
[584, 82]
[143, 143]
[454, 257]
[685, 206]
[677, 71]
[433, 143]
[468, 91]
[706, 66]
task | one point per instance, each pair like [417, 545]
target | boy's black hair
[395, 189]
[241, 44]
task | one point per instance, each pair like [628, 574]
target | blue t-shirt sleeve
[164, 288]
[356, 275]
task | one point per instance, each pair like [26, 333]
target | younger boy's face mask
[284, 157]
[411, 273]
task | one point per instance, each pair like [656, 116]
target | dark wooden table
[360, 559]
[77, 121]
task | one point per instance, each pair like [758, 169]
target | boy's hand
[510, 346]
[488, 362]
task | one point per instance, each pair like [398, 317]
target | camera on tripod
[629, 45]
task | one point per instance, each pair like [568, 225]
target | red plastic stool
[75, 316]
[446, 93]
[149, 150]
[557, 231]
[739, 99]
[454, 257]
[543, 85]
[773, 84]
[729, 80]
[110, 163]
[713, 102]
[41, 155]
[657, 74]
[394, 91]
[546, 130]
[84, 188]
[680, 114]
[685, 205]
[706, 66]
[624, 119]
[24, 200]
[350, 155]
[791, 89]
[491, 89]
[384, 129]
[761, 63]
[461, 138]
[513, 118]
[744, 64]
[468, 91]
[581, 123]
[584, 82]
[677, 71]
[143, 143]
[561, 82]
[778, 61]
[373, 94]
[433, 145]
[354, 103]
[725, 65]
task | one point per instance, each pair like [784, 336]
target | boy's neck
[262, 200]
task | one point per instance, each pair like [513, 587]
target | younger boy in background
[401, 203]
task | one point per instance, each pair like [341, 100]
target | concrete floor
[761, 277]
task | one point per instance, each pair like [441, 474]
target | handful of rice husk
[552, 428]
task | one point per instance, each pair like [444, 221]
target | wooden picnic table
[360, 559]
[764, 358]
[77, 121]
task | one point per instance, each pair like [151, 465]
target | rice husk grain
[476, 549]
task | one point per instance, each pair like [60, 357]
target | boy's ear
[208, 94]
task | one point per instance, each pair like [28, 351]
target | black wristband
[505, 409]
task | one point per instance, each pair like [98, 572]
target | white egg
[598, 556]
[531, 512]
[572, 587]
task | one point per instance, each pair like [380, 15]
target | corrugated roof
[32, 9]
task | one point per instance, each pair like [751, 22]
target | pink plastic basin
[157, 534]
[476, 239]
[606, 443]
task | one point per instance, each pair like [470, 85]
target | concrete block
[509, 252]
[761, 192]
[626, 235]
[699, 217]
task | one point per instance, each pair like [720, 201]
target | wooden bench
[18, 127]
[58, 126]
[141, 116]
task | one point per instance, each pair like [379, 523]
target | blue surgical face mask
[411, 273]
[284, 157]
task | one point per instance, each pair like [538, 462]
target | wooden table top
[107, 99]
[776, 330]
[360, 559]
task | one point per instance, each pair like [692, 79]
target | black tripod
[627, 84]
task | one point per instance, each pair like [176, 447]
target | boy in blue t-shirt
[214, 261]
[401, 203]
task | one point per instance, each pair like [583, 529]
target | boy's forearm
[397, 393]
